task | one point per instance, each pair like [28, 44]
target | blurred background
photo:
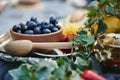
[15, 11]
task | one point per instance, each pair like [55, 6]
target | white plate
[59, 54]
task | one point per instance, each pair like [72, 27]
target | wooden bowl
[51, 37]
[28, 2]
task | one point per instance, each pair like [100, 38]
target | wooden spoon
[23, 47]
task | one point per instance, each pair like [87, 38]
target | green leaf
[38, 71]
[94, 4]
[92, 13]
[23, 73]
[81, 61]
[65, 72]
[110, 10]
[83, 39]
[75, 76]
[43, 74]
[60, 73]
[82, 55]
[90, 39]
[101, 27]
[102, 1]
[61, 59]
[60, 62]
[51, 64]
[45, 68]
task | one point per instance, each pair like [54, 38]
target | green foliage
[65, 72]
[48, 70]
[99, 11]
[93, 13]
[110, 10]
[83, 63]
[94, 5]
[83, 39]
[44, 69]
[101, 27]
[24, 72]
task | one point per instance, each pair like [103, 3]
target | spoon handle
[52, 45]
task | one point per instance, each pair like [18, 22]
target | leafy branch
[99, 10]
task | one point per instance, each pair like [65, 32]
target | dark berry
[51, 25]
[22, 25]
[53, 20]
[27, 22]
[54, 29]
[39, 26]
[29, 32]
[23, 29]
[45, 31]
[33, 19]
[19, 31]
[37, 30]
[38, 23]
[16, 28]
[57, 26]
[31, 25]
[44, 25]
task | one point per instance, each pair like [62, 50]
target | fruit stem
[72, 51]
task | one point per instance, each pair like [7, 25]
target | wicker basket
[109, 54]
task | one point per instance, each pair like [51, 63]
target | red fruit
[67, 38]
[91, 75]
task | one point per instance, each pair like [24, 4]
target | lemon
[113, 24]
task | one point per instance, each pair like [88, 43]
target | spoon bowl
[23, 47]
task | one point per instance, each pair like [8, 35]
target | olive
[116, 42]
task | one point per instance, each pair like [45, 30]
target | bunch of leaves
[84, 44]
[102, 8]
[83, 39]
[61, 69]
[99, 10]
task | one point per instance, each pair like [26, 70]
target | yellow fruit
[113, 24]
[95, 28]
[108, 40]
[71, 28]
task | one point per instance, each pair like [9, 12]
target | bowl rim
[110, 45]
[60, 30]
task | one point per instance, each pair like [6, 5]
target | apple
[67, 37]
